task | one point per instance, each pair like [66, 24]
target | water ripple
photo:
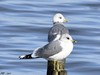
[24, 26]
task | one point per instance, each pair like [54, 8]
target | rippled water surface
[24, 26]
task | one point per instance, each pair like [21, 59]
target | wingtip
[22, 57]
[28, 56]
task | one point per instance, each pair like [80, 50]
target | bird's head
[68, 38]
[59, 18]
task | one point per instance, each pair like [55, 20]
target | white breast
[66, 50]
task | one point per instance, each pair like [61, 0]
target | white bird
[54, 50]
[58, 27]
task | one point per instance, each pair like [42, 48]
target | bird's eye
[68, 38]
[60, 17]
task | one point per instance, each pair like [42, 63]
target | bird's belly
[66, 50]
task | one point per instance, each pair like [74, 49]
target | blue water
[24, 26]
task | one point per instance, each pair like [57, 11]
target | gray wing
[49, 50]
[55, 30]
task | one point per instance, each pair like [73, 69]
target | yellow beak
[74, 41]
[65, 20]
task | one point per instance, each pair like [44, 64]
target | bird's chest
[65, 45]
[65, 51]
[66, 48]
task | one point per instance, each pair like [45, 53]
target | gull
[54, 50]
[58, 27]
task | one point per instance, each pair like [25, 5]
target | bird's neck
[58, 23]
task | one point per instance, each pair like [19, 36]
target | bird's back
[49, 49]
[56, 30]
